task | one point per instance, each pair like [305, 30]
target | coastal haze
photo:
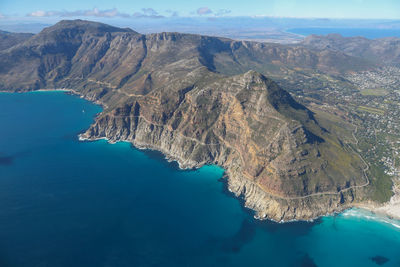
[297, 117]
[262, 29]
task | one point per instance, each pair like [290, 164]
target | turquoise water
[70, 203]
[349, 32]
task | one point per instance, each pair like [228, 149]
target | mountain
[203, 100]
[382, 50]
[70, 51]
[9, 39]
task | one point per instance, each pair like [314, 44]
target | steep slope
[382, 50]
[9, 39]
[168, 91]
[273, 150]
[72, 52]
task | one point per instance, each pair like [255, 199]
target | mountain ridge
[10, 39]
[176, 93]
[381, 50]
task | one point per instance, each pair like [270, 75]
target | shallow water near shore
[69, 203]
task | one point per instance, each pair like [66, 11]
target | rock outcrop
[172, 92]
[273, 150]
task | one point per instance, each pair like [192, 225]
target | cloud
[2, 16]
[204, 11]
[207, 11]
[172, 13]
[105, 13]
[95, 12]
[222, 12]
[147, 13]
[39, 13]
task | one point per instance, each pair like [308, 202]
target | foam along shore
[367, 214]
[388, 213]
[73, 92]
[390, 209]
[167, 157]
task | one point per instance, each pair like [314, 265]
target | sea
[348, 32]
[64, 202]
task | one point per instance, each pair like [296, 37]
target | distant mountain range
[206, 100]
[382, 50]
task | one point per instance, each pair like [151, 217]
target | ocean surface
[348, 32]
[69, 203]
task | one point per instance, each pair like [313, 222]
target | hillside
[382, 50]
[202, 100]
[9, 39]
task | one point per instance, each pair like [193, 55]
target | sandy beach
[391, 208]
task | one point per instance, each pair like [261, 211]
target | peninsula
[207, 100]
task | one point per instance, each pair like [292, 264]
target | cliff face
[168, 92]
[80, 54]
[273, 150]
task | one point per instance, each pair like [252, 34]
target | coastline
[227, 180]
[366, 214]
[391, 210]
[66, 90]
[387, 213]
[302, 36]
[167, 157]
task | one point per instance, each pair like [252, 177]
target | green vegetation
[371, 110]
[178, 82]
[374, 92]
[335, 124]
[381, 184]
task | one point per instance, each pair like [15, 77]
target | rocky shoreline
[265, 206]
[204, 100]
[253, 197]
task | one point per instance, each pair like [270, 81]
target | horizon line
[132, 18]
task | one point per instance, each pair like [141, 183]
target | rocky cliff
[275, 154]
[174, 93]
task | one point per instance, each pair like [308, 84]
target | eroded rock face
[272, 148]
[167, 92]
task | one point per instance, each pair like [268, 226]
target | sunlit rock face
[195, 99]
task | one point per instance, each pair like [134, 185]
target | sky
[364, 9]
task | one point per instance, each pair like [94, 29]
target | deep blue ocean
[69, 203]
[348, 32]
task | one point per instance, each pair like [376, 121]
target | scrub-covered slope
[171, 92]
